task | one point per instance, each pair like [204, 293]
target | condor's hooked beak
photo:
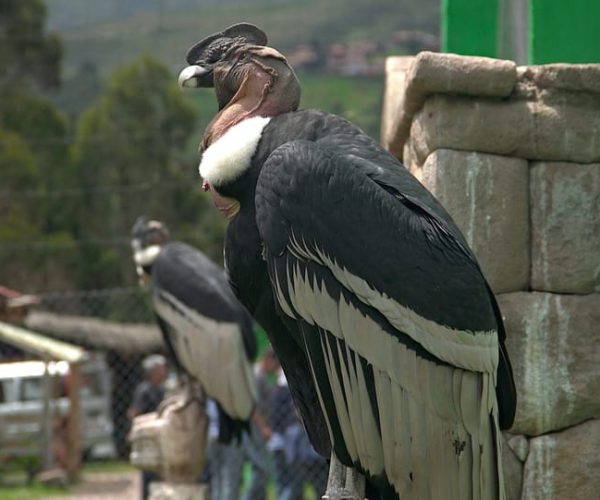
[203, 56]
[196, 76]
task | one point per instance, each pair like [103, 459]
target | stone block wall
[513, 153]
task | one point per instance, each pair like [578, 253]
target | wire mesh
[80, 161]
[276, 461]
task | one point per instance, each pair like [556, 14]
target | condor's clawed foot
[187, 391]
[343, 483]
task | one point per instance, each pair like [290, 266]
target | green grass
[357, 99]
[167, 36]
[33, 492]
[308, 492]
[13, 482]
[16, 489]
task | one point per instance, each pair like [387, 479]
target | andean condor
[389, 335]
[207, 332]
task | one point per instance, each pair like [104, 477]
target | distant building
[361, 58]
[15, 305]
[303, 57]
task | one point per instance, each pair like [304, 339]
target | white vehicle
[22, 408]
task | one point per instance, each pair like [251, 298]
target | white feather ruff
[146, 256]
[227, 158]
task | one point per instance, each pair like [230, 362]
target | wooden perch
[134, 338]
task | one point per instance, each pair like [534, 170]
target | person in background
[224, 462]
[146, 397]
[296, 462]
[255, 444]
[282, 415]
[307, 465]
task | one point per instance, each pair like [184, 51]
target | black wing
[200, 284]
[209, 331]
[247, 272]
[400, 326]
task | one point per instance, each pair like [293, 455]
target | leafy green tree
[22, 222]
[37, 250]
[27, 52]
[128, 156]
[17, 164]
[30, 60]
[78, 91]
[45, 132]
[66, 211]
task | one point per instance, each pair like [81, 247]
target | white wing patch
[213, 353]
[435, 438]
[476, 351]
[227, 158]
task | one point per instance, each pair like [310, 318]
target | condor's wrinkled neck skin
[268, 88]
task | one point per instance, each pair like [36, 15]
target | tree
[80, 90]
[66, 212]
[30, 60]
[128, 158]
[22, 220]
[27, 52]
[33, 150]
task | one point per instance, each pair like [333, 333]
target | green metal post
[470, 27]
[564, 31]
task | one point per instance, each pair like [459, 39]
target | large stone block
[469, 124]
[565, 222]
[486, 195]
[569, 77]
[519, 444]
[410, 81]
[434, 72]
[513, 471]
[396, 69]
[514, 127]
[565, 130]
[553, 346]
[564, 465]
[409, 160]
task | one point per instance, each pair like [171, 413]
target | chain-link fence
[81, 159]
[116, 327]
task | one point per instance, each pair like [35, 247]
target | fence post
[47, 419]
[74, 423]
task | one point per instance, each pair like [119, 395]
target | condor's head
[249, 78]
[253, 83]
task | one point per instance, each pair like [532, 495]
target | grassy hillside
[109, 40]
[70, 14]
[357, 99]
[112, 33]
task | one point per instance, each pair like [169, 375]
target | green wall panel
[564, 31]
[469, 27]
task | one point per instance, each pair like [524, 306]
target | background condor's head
[147, 239]
[239, 65]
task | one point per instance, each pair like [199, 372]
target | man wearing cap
[147, 396]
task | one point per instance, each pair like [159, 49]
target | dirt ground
[105, 486]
